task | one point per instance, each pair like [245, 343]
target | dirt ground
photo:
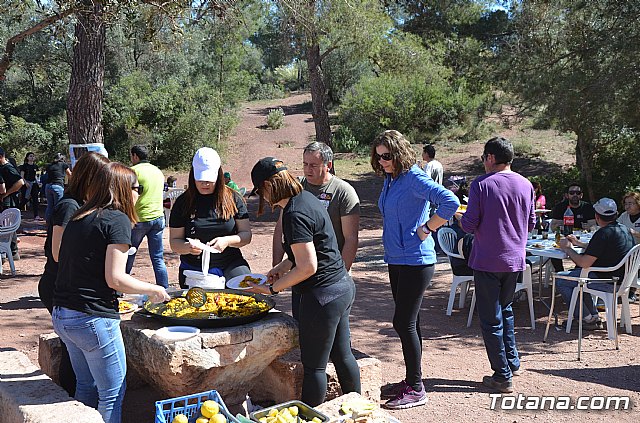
[454, 358]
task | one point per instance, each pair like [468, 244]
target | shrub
[266, 92]
[344, 141]
[409, 104]
[275, 118]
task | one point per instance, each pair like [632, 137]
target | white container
[194, 278]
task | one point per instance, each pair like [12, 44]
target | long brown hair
[84, 172]
[402, 154]
[223, 200]
[111, 189]
[279, 186]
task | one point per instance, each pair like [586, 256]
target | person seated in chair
[582, 215]
[608, 246]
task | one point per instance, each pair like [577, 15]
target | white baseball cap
[206, 164]
[606, 207]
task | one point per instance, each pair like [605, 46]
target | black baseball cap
[263, 170]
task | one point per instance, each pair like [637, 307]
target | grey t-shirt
[339, 198]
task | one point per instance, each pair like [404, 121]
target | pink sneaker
[408, 398]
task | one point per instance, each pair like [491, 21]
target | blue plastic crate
[189, 405]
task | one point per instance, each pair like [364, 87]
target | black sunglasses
[138, 189]
[384, 156]
[575, 192]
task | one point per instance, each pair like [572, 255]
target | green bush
[275, 118]
[409, 104]
[266, 92]
[344, 141]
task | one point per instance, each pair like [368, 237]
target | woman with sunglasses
[409, 251]
[75, 194]
[212, 213]
[91, 272]
[313, 269]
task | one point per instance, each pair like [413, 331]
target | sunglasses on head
[137, 188]
[575, 192]
[384, 156]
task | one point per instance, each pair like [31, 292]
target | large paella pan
[224, 307]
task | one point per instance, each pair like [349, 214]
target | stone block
[49, 347]
[228, 360]
[27, 395]
[282, 380]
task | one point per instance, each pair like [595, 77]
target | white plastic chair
[447, 239]
[631, 263]
[526, 285]
[171, 194]
[9, 224]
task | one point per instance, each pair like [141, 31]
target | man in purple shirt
[500, 213]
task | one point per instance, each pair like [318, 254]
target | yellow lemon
[180, 418]
[218, 418]
[202, 419]
[209, 408]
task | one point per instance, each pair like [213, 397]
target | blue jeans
[153, 231]
[494, 295]
[97, 355]
[565, 288]
[54, 193]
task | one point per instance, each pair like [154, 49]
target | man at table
[607, 247]
[583, 215]
[500, 213]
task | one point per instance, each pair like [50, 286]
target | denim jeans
[565, 288]
[494, 295]
[54, 194]
[97, 354]
[153, 231]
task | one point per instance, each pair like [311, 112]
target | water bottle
[567, 220]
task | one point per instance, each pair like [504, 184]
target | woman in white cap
[315, 270]
[212, 213]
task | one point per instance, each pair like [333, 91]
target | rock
[28, 395]
[282, 380]
[229, 360]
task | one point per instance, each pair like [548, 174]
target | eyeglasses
[629, 204]
[138, 189]
[575, 192]
[384, 156]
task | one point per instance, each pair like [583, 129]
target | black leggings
[408, 284]
[324, 333]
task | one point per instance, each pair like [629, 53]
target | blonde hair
[402, 154]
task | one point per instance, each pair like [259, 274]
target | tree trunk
[84, 105]
[584, 156]
[318, 95]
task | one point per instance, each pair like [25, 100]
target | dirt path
[454, 359]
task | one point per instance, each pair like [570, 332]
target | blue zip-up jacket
[404, 204]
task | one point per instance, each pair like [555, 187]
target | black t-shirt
[205, 225]
[56, 173]
[609, 245]
[29, 171]
[65, 208]
[305, 220]
[581, 214]
[9, 174]
[81, 283]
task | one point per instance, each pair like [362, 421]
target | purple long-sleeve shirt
[500, 213]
